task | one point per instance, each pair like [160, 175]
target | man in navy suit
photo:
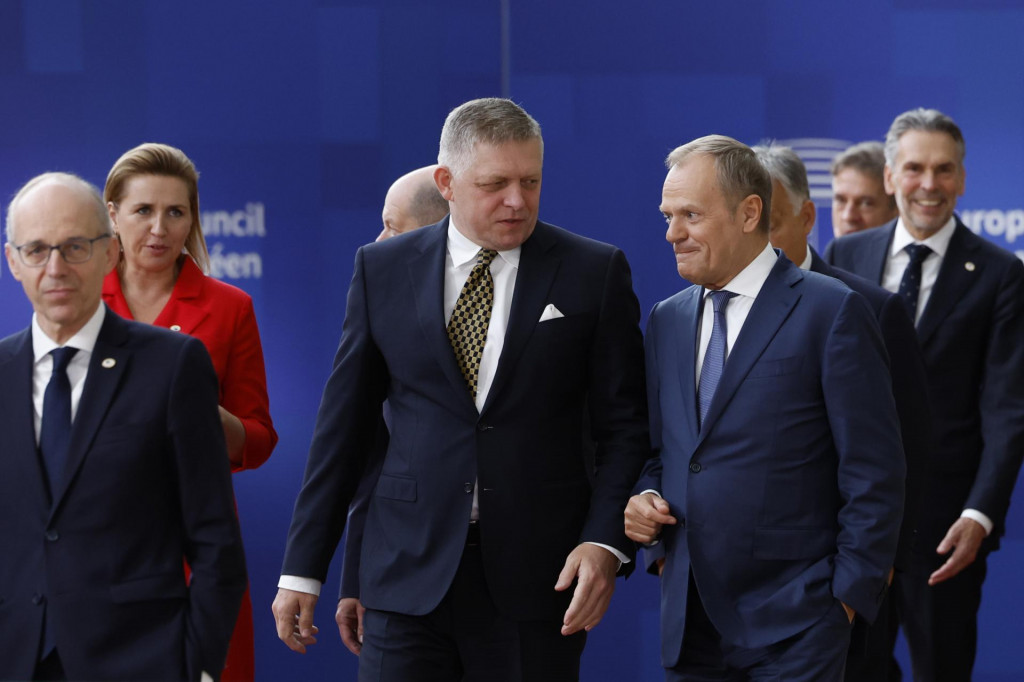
[777, 480]
[484, 516]
[792, 218]
[113, 469]
[967, 300]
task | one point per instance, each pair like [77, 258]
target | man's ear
[808, 214]
[443, 180]
[750, 209]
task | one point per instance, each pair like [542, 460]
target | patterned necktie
[55, 431]
[467, 330]
[714, 356]
[910, 285]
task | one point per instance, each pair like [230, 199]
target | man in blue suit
[777, 481]
[792, 218]
[113, 469]
[483, 516]
[966, 296]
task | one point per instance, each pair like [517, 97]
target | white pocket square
[550, 313]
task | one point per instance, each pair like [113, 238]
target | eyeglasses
[74, 251]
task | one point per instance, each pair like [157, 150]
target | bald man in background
[412, 201]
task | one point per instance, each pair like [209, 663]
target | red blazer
[222, 317]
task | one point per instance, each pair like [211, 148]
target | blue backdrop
[300, 114]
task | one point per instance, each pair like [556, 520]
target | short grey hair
[739, 172]
[783, 164]
[68, 180]
[491, 120]
[928, 120]
[867, 158]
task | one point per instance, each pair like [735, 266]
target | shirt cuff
[297, 584]
[623, 559]
[205, 677]
[975, 515]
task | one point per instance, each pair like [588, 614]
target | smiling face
[64, 296]
[926, 178]
[495, 200]
[153, 219]
[711, 241]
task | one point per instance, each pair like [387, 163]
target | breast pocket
[767, 369]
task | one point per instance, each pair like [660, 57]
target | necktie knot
[62, 358]
[720, 299]
[917, 253]
[485, 256]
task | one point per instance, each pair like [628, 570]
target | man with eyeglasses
[113, 469]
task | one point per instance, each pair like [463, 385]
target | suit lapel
[187, 307]
[683, 335]
[110, 358]
[16, 408]
[953, 282]
[772, 306]
[426, 279]
[538, 265]
[876, 255]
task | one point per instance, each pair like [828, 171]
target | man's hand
[964, 539]
[293, 612]
[661, 566]
[595, 568]
[645, 515]
[350, 623]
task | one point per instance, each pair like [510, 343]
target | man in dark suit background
[483, 516]
[130, 475]
[967, 299]
[777, 481]
[792, 218]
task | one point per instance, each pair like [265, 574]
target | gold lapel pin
[108, 363]
[969, 266]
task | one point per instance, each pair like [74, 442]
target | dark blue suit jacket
[147, 484]
[524, 447]
[909, 390]
[971, 340]
[790, 494]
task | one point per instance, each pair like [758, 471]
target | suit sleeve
[618, 409]
[343, 438]
[213, 544]
[357, 517]
[871, 466]
[1002, 402]
[244, 393]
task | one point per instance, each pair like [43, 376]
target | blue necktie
[55, 432]
[910, 285]
[714, 356]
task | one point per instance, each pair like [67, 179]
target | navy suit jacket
[970, 335]
[524, 447]
[147, 484]
[790, 494]
[909, 390]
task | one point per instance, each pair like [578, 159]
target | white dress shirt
[42, 367]
[896, 263]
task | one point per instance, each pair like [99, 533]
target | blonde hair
[152, 158]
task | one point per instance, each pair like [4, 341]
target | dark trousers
[871, 658]
[817, 654]
[465, 639]
[941, 622]
[50, 669]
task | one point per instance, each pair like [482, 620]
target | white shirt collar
[938, 242]
[84, 339]
[751, 278]
[808, 259]
[463, 250]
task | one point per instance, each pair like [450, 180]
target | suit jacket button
[52, 535]
[38, 599]
[483, 427]
[468, 487]
[694, 467]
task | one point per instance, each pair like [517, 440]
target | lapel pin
[108, 363]
[969, 266]
[175, 327]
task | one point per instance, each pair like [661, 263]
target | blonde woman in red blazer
[153, 200]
